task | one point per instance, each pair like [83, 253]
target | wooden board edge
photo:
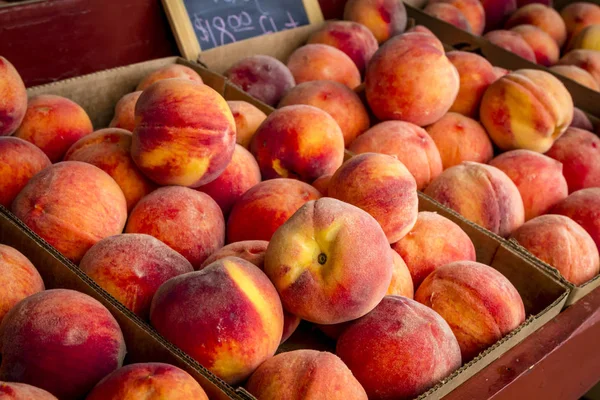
[182, 28]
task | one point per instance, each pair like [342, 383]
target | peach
[579, 152]
[472, 10]
[382, 186]
[72, 205]
[299, 141]
[448, 13]
[330, 262]
[459, 138]
[539, 179]
[322, 184]
[526, 109]
[409, 143]
[479, 303]
[148, 380]
[497, 11]
[399, 350]
[61, 341]
[184, 134]
[131, 267]
[500, 72]
[544, 17]
[513, 42]
[402, 284]
[577, 74]
[232, 319]
[19, 162]
[54, 123]
[21, 391]
[544, 48]
[247, 120]
[318, 62]
[265, 207]
[14, 98]
[394, 88]
[587, 38]
[482, 194]
[109, 150]
[188, 221]
[421, 29]
[384, 18]
[581, 120]
[588, 60]
[562, 243]
[124, 117]
[339, 101]
[578, 15]
[583, 207]
[169, 72]
[263, 77]
[305, 375]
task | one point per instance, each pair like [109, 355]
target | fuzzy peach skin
[61, 341]
[472, 10]
[526, 109]
[482, 194]
[305, 375]
[131, 267]
[448, 13]
[263, 77]
[399, 350]
[54, 123]
[151, 381]
[577, 74]
[497, 11]
[382, 186]
[109, 150]
[588, 38]
[19, 162]
[265, 207]
[322, 184]
[544, 17]
[513, 42]
[421, 29]
[402, 284]
[583, 207]
[539, 179]
[544, 48]
[479, 303]
[384, 18]
[500, 72]
[581, 120]
[579, 15]
[188, 221]
[22, 391]
[13, 98]
[299, 141]
[336, 99]
[579, 152]
[247, 120]
[562, 243]
[227, 316]
[395, 90]
[588, 60]
[18, 279]
[459, 138]
[169, 72]
[124, 117]
[72, 205]
[184, 134]
[409, 143]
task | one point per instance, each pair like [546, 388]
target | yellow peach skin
[124, 117]
[577, 74]
[384, 18]
[247, 120]
[402, 283]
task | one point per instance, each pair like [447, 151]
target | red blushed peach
[561, 242]
[13, 103]
[148, 380]
[131, 267]
[472, 10]
[402, 284]
[72, 205]
[263, 77]
[482, 194]
[384, 18]
[579, 152]
[322, 184]
[459, 138]
[265, 207]
[578, 15]
[399, 350]
[577, 74]
[109, 150]
[339, 101]
[169, 72]
[184, 134]
[247, 120]
[448, 13]
[526, 109]
[421, 29]
[539, 179]
[409, 143]
[188, 221]
[320, 62]
[124, 117]
[500, 72]
[544, 48]
[241, 174]
[21, 391]
[305, 375]
[233, 318]
[581, 121]
[330, 262]
[513, 42]
[19, 162]
[300, 141]
[583, 207]
[72, 325]
[479, 303]
[382, 186]
[544, 17]
[395, 90]
[496, 12]
[53, 124]
[588, 60]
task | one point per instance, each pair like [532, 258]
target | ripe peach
[61, 341]
[497, 11]
[402, 283]
[322, 184]
[588, 60]
[513, 42]
[473, 12]
[169, 72]
[21, 391]
[581, 120]
[422, 29]
[384, 18]
[14, 98]
[448, 13]
[583, 207]
[247, 120]
[544, 48]
[124, 117]
[577, 74]
[587, 38]
[578, 15]
[544, 17]
[500, 72]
